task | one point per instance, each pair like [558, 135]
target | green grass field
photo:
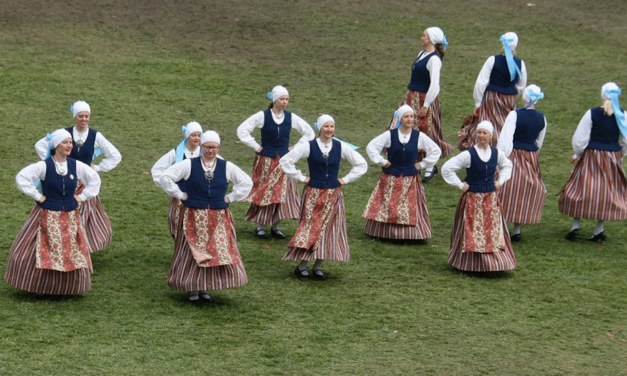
[148, 67]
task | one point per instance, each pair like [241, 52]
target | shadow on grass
[419, 242]
[25, 296]
[482, 275]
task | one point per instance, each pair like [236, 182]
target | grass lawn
[148, 67]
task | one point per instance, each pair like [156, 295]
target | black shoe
[261, 233]
[598, 237]
[301, 273]
[429, 175]
[319, 274]
[516, 238]
[278, 234]
[572, 235]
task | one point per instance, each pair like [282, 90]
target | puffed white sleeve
[161, 165]
[25, 179]
[450, 168]
[90, 178]
[242, 183]
[540, 139]
[303, 128]
[112, 156]
[288, 161]
[434, 66]
[483, 79]
[506, 138]
[505, 167]
[173, 174]
[623, 140]
[360, 166]
[376, 146]
[521, 84]
[41, 147]
[247, 127]
[582, 134]
[431, 148]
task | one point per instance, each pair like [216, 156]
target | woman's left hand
[497, 185]
[341, 181]
[78, 199]
[226, 199]
[418, 166]
[423, 112]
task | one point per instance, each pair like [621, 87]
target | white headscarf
[436, 35]
[403, 110]
[487, 126]
[210, 136]
[607, 87]
[277, 92]
[322, 120]
[512, 39]
[58, 136]
[190, 128]
[532, 93]
[80, 106]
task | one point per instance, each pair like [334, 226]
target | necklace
[210, 168]
[325, 151]
[58, 167]
[277, 115]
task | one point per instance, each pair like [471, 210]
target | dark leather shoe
[319, 274]
[429, 175]
[516, 237]
[278, 234]
[261, 234]
[572, 235]
[598, 237]
[301, 273]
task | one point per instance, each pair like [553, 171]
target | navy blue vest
[403, 157]
[604, 134]
[499, 78]
[84, 153]
[59, 190]
[420, 77]
[529, 124]
[275, 138]
[324, 171]
[480, 175]
[201, 193]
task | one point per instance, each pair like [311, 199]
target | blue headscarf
[611, 91]
[510, 41]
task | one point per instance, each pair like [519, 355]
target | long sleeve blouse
[168, 160]
[581, 138]
[257, 120]
[484, 79]
[384, 140]
[462, 160]
[506, 138]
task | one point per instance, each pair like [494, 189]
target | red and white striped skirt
[321, 233]
[174, 211]
[431, 124]
[480, 241]
[523, 195]
[97, 225]
[597, 188]
[274, 196]
[22, 271]
[186, 274]
[397, 209]
[494, 107]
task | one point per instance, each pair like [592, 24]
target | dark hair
[53, 150]
[440, 48]
[270, 105]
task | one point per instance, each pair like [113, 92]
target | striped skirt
[185, 273]
[431, 124]
[597, 188]
[494, 107]
[397, 209]
[490, 239]
[274, 196]
[97, 225]
[22, 271]
[173, 215]
[522, 197]
[321, 233]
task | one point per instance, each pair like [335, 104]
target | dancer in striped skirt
[274, 196]
[500, 81]
[50, 255]
[187, 149]
[522, 197]
[597, 188]
[206, 256]
[397, 208]
[480, 242]
[321, 233]
[88, 144]
[423, 90]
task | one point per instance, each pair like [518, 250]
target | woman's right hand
[306, 180]
[185, 197]
[259, 150]
[387, 164]
[465, 187]
[42, 199]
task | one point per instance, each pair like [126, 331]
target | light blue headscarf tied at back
[611, 91]
[322, 120]
[187, 131]
[509, 39]
[532, 94]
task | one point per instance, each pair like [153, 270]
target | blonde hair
[608, 108]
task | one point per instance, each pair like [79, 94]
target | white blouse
[168, 160]
[384, 140]
[506, 138]
[462, 160]
[257, 120]
[581, 138]
[484, 79]
[434, 66]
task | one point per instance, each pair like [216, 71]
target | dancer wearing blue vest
[480, 242]
[88, 143]
[187, 149]
[397, 208]
[50, 255]
[206, 256]
[497, 87]
[522, 197]
[274, 196]
[597, 187]
[321, 233]
[423, 90]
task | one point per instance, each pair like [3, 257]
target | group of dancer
[499, 151]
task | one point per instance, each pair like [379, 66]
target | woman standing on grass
[321, 233]
[274, 197]
[50, 255]
[88, 144]
[597, 188]
[497, 87]
[423, 90]
[522, 197]
[187, 149]
[206, 256]
[480, 242]
[397, 208]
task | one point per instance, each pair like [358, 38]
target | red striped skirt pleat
[494, 107]
[523, 195]
[174, 210]
[97, 226]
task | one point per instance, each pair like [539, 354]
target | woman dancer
[522, 197]
[206, 256]
[50, 255]
[597, 188]
[274, 197]
[397, 208]
[480, 242]
[321, 233]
